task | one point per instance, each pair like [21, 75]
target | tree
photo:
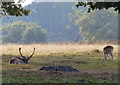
[100, 5]
[23, 32]
[72, 26]
[98, 25]
[12, 9]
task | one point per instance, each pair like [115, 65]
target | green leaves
[26, 12]
[100, 5]
[10, 8]
[98, 25]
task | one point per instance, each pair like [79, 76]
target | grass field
[80, 56]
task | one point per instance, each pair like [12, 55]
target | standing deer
[108, 50]
[22, 59]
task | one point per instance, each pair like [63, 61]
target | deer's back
[108, 49]
[16, 60]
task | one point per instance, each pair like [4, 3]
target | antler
[21, 53]
[32, 54]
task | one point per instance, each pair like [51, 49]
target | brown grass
[46, 49]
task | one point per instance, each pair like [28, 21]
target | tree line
[97, 25]
[23, 32]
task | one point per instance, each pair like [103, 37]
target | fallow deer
[22, 59]
[108, 50]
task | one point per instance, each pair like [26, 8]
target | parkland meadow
[87, 58]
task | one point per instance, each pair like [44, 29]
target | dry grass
[79, 56]
[46, 49]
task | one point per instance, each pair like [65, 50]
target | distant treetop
[100, 5]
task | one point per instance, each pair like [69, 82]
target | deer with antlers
[22, 59]
[108, 50]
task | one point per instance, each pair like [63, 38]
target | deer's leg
[111, 56]
[105, 57]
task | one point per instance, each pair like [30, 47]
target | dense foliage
[97, 25]
[22, 32]
[56, 17]
[10, 8]
[53, 17]
[100, 5]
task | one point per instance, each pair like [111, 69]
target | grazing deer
[22, 59]
[108, 50]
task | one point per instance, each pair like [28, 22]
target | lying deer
[108, 50]
[22, 59]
